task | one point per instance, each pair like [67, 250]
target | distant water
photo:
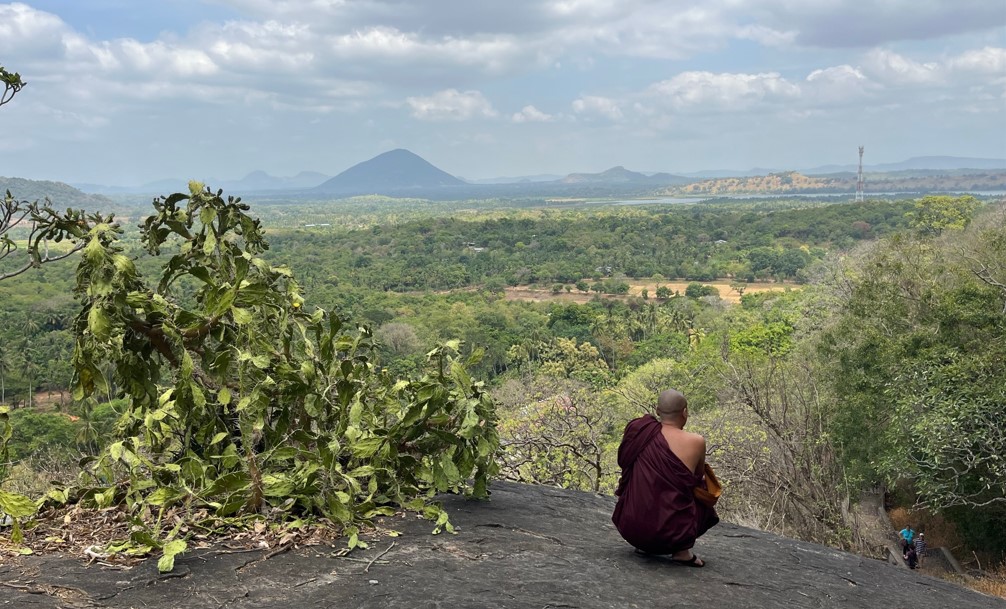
[980, 193]
[849, 195]
[661, 200]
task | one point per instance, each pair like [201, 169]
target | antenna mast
[859, 177]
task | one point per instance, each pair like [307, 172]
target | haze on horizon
[220, 88]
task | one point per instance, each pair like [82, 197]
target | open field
[636, 288]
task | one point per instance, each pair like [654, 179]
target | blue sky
[125, 92]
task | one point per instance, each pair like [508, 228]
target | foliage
[12, 84]
[15, 505]
[798, 488]
[697, 290]
[559, 432]
[549, 247]
[40, 223]
[34, 431]
[241, 401]
[917, 350]
[908, 333]
[935, 213]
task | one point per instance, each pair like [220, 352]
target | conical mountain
[393, 171]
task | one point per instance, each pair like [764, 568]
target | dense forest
[878, 368]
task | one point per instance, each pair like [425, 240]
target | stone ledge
[527, 547]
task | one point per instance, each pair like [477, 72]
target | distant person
[920, 548]
[661, 465]
[907, 536]
[911, 558]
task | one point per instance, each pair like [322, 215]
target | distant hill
[260, 180]
[916, 163]
[621, 175]
[256, 181]
[783, 182]
[919, 163]
[540, 177]
[792, 182]
[394, 171]
[61, 195]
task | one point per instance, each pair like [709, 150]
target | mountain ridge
[392, 171]
[400, 171]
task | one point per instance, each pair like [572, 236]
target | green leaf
[98, 323]
[115, 451]
[363, 471]
[16, 505]
[366, 448]
[162, 496]
[171, 549]
[242, 317]
[207, 215]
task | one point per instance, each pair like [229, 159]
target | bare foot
[687, 558]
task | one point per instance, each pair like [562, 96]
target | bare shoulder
[696, 439]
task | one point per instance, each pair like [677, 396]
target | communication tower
[859, 177]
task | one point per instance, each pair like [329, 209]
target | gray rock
[527, 547]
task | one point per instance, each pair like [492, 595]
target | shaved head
[671, 404]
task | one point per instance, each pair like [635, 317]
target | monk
[661, 463]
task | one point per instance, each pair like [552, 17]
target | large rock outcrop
[527, 547]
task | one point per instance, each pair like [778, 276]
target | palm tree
[5, 366]
[31, 369]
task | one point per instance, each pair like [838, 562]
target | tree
[556, 431]
[934, 214]
[917, 347]
[241, 401]
[399, 338]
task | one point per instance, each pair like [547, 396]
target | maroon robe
[656, 510]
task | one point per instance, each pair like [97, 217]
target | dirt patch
[636, 288]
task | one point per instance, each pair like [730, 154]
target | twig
[977, 561]
[237, 551]
[282, 549]
[367, 568]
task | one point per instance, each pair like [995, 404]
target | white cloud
[852, 23]
[451, 105]
[594, 107]
[890, 67]
[989, 60]
[709, 92]
[274, 66]
[766, 36]
[530, 114]
[837, 86]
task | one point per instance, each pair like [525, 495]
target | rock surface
[527, 547]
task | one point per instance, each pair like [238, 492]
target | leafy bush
[240, 401]
[34, 431]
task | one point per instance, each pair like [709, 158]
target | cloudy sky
[129, 91]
